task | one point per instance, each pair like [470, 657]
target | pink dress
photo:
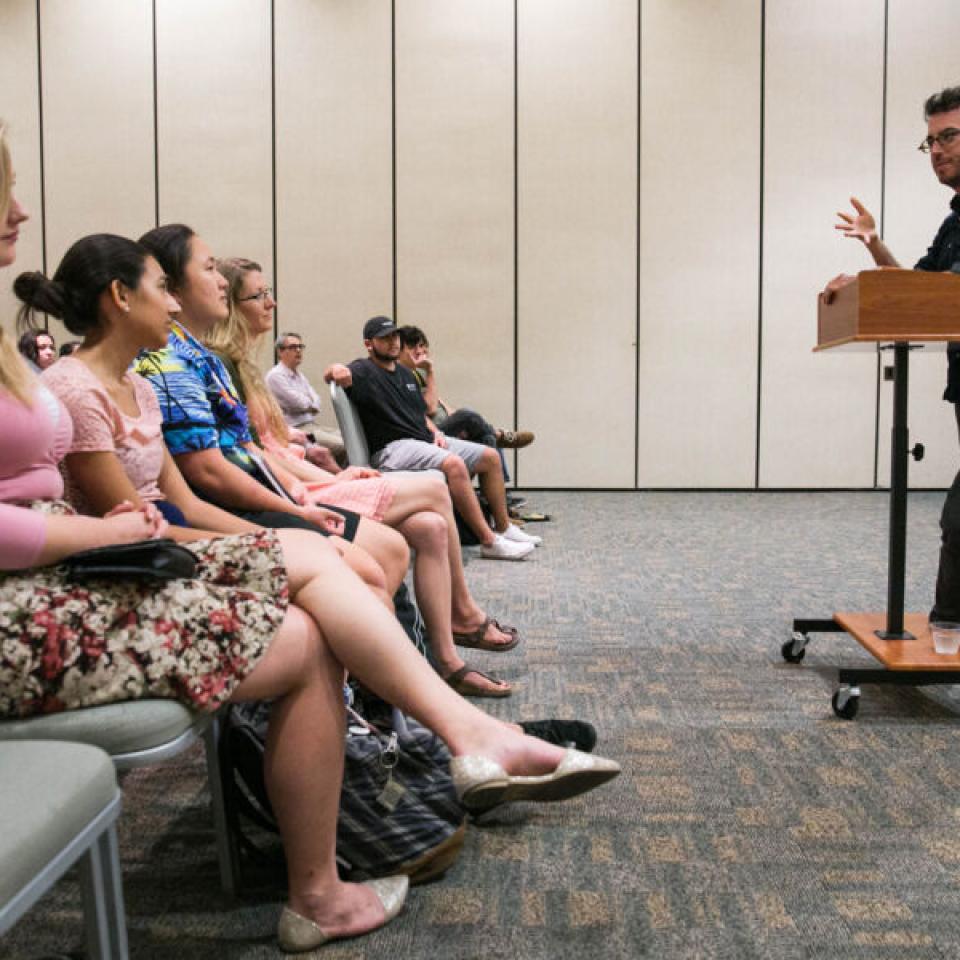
[100, 426]
[67, 645]
[370, 497]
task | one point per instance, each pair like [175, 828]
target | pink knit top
[35, 438]
[100, 426]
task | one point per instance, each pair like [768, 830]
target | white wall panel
[923, 42]
[455, 192]
[215, 126]
[334, 173]
[699, 219]
[97, 119]
[818, 411]
[577, 175]
[20, 111]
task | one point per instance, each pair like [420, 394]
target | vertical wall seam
[43, 174]
[883, 213]
[273, 156]
[156, 122]
[763, 105]
[636, 256]
[393, 145]
[516, 238]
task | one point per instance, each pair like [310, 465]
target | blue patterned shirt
[200, 406]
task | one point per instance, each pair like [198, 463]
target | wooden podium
[889, 310]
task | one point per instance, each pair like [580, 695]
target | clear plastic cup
[946, 636]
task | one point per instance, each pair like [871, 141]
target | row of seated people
[286, 595]
[403, 432]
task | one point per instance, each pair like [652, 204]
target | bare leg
[388, 548]
[372, 646]
[365, 567]
[461, 493]
[427, 534]
[415, 494]
[304, 767]
[490, 473]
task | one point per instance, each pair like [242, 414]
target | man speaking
[942, 143]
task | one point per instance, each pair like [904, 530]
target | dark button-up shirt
[944, 254]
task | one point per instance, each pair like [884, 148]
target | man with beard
[402, 437]
[942, 143]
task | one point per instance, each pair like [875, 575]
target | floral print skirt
[68, 645]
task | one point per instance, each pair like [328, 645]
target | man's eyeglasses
[260, 295]
[944, 138]
[294, 346]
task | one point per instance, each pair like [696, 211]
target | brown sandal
[475, 640]
[458, 680]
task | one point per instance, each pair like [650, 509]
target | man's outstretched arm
[860, 225]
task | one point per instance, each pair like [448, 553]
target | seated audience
[269, 615]
[461, 422]
[205, 425]
[416, 505]
[39, 348]
[300, 403]
[402, 437]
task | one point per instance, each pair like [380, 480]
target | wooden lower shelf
[915, 654]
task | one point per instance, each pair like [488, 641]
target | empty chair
[137, 733]
[59, 803]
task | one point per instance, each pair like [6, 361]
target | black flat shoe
[564, 733]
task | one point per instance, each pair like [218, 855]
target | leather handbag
[152, 560]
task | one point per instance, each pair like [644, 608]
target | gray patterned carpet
[749, 822]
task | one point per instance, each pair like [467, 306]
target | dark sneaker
[564, 733]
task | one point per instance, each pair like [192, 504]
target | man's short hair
[943, 102]
[413, 337]
[281, 341]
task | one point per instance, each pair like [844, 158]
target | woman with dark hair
[269, 615]
[39, 348]
[205, 424]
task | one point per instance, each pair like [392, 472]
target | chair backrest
[136, 733]
[58, 806]
[354, 439]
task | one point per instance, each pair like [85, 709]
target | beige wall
[611, 216]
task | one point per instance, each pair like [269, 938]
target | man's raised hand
[859, 225]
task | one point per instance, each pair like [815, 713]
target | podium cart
[897, 310]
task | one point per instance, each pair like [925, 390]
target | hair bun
[40, 293]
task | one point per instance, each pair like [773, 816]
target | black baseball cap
[378, 327]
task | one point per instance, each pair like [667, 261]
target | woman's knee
[428, 530]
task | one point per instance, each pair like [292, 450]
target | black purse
[156, 560]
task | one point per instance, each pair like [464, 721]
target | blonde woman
[283, 604]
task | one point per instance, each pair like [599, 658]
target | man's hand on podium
[840, 281]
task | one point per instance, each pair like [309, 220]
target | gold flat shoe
[297, 933]
[482, 783]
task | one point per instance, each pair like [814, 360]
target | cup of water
[946, 636]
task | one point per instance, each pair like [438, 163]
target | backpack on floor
[398, 809]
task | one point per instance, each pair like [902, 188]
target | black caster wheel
[846, 703]
[795, 649]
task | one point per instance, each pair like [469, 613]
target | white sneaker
[514, 533]
[504, 549]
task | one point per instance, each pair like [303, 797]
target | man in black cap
[402, 437]
[942, 143]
